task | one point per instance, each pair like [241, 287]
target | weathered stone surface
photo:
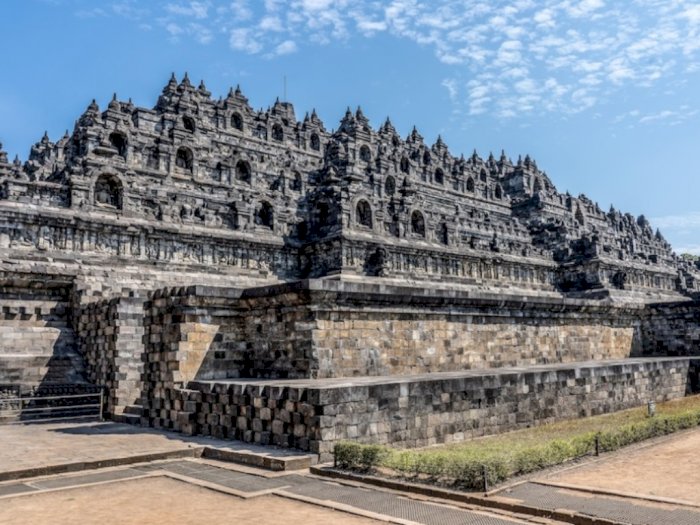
[178, 255]
[213, 187]
[438, 408]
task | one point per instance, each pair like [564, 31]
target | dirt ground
[163, 500]
[670, 469]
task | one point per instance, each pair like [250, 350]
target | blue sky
[603, 94]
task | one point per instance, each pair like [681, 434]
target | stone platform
[46, 449]
[419, 410]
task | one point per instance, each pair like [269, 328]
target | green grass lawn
[506, 455]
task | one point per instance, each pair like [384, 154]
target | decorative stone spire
[3, 155]
[171, 86]
[347, 124]
[388, 127]
[186, 81]
[203, 89]
[93, 108]
[114, 103]
[415, 137]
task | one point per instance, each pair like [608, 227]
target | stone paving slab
[36, 449]
[388, 506]
[627, 510]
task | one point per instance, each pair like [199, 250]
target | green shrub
[506, 455]
[349, 455]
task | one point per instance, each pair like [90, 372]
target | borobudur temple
[242, 274]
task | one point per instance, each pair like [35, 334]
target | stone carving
[130, 176]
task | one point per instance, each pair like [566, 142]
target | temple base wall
[411, 411]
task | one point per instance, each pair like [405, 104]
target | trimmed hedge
[521, 452]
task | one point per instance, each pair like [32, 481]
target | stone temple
[243, 274]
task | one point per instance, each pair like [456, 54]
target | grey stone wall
[111, 342]
[412, 411]
[328, 328]
[37, 342]
[672, 329]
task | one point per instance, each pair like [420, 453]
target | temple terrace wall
[328, 328]
[308, 363]
[411, 411]
[672, 329]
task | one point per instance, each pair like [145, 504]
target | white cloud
[174, 29]
[286, 47]
[201, 33]
[692, 14]
[240, 9]
[531, 55]
[450, 85]
[669, 116]
[582, 8]
[688, 220]
[198, 10]
[316, 5]
[243, 40]
[369, 27]
[545, 18]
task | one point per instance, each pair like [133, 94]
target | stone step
[128, 419]
[134, 410]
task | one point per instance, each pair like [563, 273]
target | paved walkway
[42, 446]
[624, 510]
[364, 501]
[663, 468]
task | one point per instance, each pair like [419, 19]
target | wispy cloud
[671, 117]
[693, 249]
[680, 223]
[510, 58]
[198, 10]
